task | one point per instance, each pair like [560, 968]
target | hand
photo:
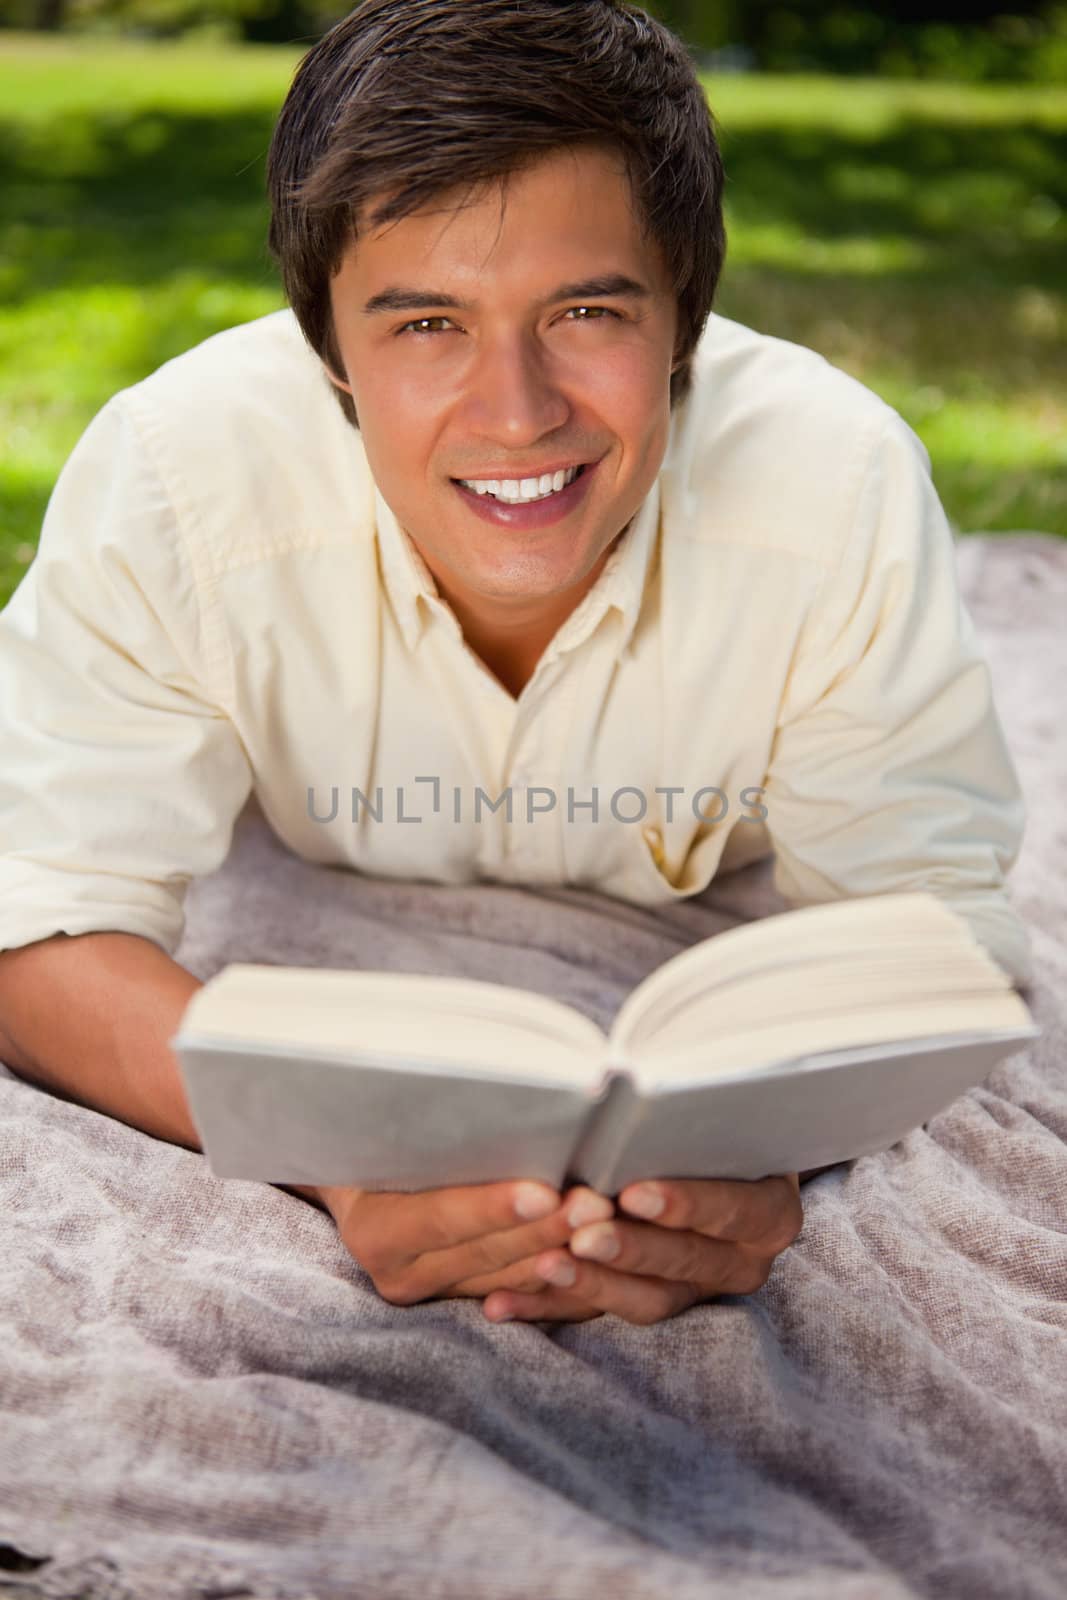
[714, 1236]
[455, 1242]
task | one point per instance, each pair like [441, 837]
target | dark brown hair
[412, 98]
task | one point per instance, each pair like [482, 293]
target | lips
[520, 477]
[530, 514]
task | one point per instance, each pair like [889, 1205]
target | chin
[534, 582]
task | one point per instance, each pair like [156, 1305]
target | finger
[437, 1272]
[715, 1266]
[765, 1211]
[522, 1276]
[400, 1227]
[493, 1252]
[595, 1292]
[581, 1206]
[550, 1305]
[440, 1219]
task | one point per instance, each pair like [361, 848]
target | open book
[797, 1041]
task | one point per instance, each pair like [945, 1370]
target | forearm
[90, 1016]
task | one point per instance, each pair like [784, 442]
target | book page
[797, 994]
[782, 1046]
[806, 945]
[402, 1018]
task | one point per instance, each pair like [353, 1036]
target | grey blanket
[204, 1396]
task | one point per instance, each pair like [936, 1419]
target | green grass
[913, 233]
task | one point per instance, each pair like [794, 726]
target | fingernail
[599, 1244]
[561, 1273]
[645, 1201]
[533, 1200]
[589, 1208]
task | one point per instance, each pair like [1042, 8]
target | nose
[514, 394]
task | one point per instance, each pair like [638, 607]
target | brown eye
[604, 311]
[418, 325]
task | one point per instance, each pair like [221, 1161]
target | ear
[338, 383]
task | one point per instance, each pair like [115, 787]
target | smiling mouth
[522, 492]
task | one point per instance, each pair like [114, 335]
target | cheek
[627, 387]
[396, 415]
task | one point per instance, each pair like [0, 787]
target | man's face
[520, 381]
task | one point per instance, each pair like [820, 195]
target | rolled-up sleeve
[121, 776]
[889, 769]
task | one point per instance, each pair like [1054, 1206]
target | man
[295, 560]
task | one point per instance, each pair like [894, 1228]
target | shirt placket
[535, 761]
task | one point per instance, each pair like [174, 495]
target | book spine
[607, 1131]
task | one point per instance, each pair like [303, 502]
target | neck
[511, 636]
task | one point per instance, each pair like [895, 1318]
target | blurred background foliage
[970, 42]
[907, 219]
[977, 42]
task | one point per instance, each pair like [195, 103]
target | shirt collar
[415, 598]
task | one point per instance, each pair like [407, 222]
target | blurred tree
[704, 24]
[276, 21]
[711, 23]
[255, 19]
[967, 39]
[49, 14]
[952, 39]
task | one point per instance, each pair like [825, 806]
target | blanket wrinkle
[203, 1394]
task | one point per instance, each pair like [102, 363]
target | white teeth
[519, 490]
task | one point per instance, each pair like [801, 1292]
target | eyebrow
[610, 285]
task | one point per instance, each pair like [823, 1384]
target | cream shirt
[774, 657]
